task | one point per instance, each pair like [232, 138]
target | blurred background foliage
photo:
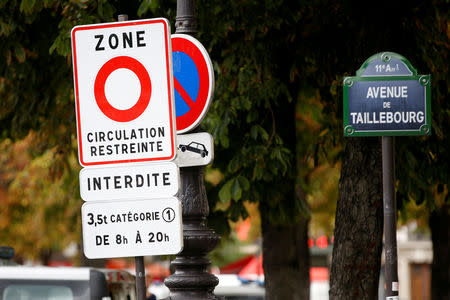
[268, 56]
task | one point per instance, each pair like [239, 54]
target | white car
[233, 288]
[65, 283]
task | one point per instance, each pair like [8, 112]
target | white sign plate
[132, 228]
[124, 92]
[195, 149]
[130, 182]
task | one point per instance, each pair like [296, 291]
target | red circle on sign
[122, 115]
[187, 121]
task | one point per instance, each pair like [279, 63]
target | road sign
[124, 92]
[193, 81]
[132, 228]
[387, 98]
[130, 182]
[195, 149]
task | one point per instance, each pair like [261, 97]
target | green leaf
[20, 53]
[263, 133]
[108, 11]
[244, 183]
[236, 191]
[276, 153]
[26, 6]
[252, 116]
[254, 132]
[225, 192]
[235, 211]
[258, 171]
[234, 164]
[100, 9]
[225, 141]
[244, 212]
[144, 7]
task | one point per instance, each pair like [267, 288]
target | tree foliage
[40, 211]
[422, 162]
[254, 112]
[269, 57]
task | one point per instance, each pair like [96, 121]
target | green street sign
[387, 98]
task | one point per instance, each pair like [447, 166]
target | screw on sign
[124, 92]
[193, 81]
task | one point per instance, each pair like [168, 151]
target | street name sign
[193, 80]
[154, 180]
[387, 98]
[195, 149]
[132, 228]
[124, 92]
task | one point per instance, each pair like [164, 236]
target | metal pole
[185, 20]
[191, 280]
[121, 18]
[140, 277]
[139, 260]
[390, 219]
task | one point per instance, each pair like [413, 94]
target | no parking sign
[124, 92]
[193, 81]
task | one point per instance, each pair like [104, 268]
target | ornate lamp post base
[191, 279]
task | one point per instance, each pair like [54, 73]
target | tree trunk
[440, 269]
[358, 233]
[285, 260]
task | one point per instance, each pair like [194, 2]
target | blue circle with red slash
[193, 81]
[188, 79]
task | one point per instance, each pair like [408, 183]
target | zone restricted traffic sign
[124, 92]
[193, 81]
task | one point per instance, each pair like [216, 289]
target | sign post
[390, 217]
[387, 98]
